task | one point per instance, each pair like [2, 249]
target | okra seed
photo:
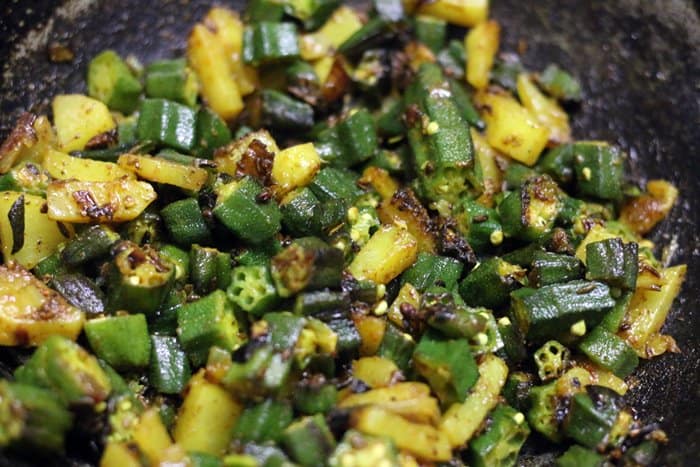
[519, 418]
[578, 328]
[586, 172]
[381, 308]
[432, 128]
[496, 237]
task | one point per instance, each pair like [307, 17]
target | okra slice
[430, 31]
[111, 81]
[614, 262]
[167, 123]
[490, 283]
[307, 264]
[443, 153]
[275, 109]
[169, 368]
[68, 370]
[80, 291]
[312, 14]
[212, 133]
[592, 415]
[599, 170]
[542, 414]
[139, 279]
[32, 418]
[529, 213]
[502, 440]
[242, 208]
[430, 270]
[314, 395]
[552, 310]
[578, 456]
[252, 289]
[447, 364]
[609, 351]
[207, 322]
[92, 243]
[335, 184]
[351, 141]
[263, 422]
[172, 80]
[397, 346]
[267, 42]
[185, 222]
[551, 268]
[210, 269]
[121, 341]
[356, 448]
[308, 441]
[297, 209]
[481, 225]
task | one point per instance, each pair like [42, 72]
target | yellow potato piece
[82, 202]
[78, 119]
[61, 166]
[30, 312]
[481, 44]
[158, 170]
[389, 251]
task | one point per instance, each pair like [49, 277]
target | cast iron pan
[639, 61]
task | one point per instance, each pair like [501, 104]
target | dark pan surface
[639, 61]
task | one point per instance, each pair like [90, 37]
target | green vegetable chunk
[447, 364]
[121, 341]
[110, 80]
[502, 440]
[252, 289]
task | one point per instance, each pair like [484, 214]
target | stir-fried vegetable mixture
[326, 237]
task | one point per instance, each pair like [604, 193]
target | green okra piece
[110, 80]
[397, 346]
[351, 141]
[312, 396]
[310, 303]
[122, 341]
[179, 258]
[280, 111]
[269, 42]
[443, 153]
[80, 291]
[447, 364]
[430, 31]
[32, 418]
[551, 268]
[614, 262]
[530, 212]
[599, 171]
[92, 243]
[167, 123]
[264, 10]
[500, 443]
[371, 33]
[308, 441]
[169, 369]
[560, 84]
[552, 310]
[210, 269]
[184, 221]
[490, 283]
[263, 422]
[481, 225]
[69, 371]
[591, 415]
[241, 209]
[429, 270]
[212, 133]
[297, 210]
[172, 80]
[207, 322]
[609, 351]
[578, 456]
[335, 184]
[139, 279]
[307, 264]
[252, 289]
